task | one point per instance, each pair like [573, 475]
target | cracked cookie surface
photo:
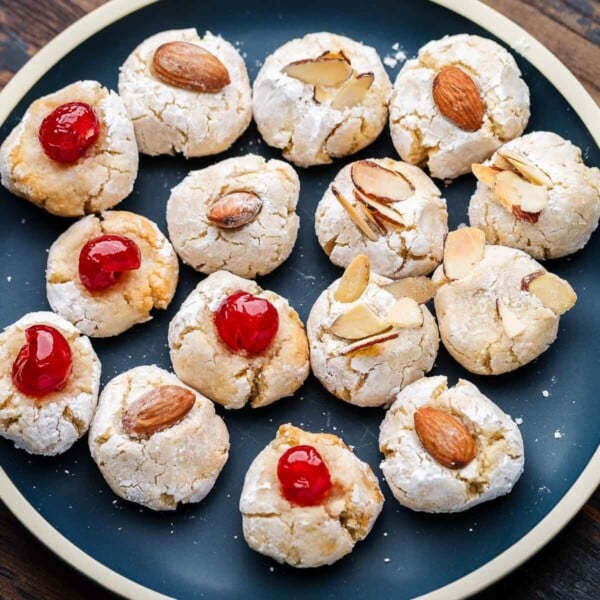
[307, 132]
[373, 376]
[128, 302]
[421, 483]
[179, 464]
[202, 360]
[309, 536]
[99, 180]
[573, 209]
[414, 249]
[51, 424]
[423, 136]
[169, 119]
[254, 249]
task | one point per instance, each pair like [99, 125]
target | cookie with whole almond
[448, 449]
[186, 94]
[369, 337]
[457, 102]
[388, 210]
[536, 194]
[321, 97]
[156, 441]
[238, 215]
[497, 308]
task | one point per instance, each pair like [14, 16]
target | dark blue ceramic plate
[199, 551]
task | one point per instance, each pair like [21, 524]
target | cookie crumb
[558, 434]
[545, 393]
[386, 560]
[519, 421]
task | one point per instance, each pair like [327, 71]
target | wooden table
[569, 567]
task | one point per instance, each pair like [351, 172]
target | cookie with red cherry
[107, 272]
[238, 344]
[308, 499]
[49, 380]
[73, 153]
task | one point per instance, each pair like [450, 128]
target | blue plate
[199, 550]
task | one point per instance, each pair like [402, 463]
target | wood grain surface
[568, 567]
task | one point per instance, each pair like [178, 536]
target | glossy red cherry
[103, 260]
[44, 363]
[68, 131]
[303, 475]
[247, 322]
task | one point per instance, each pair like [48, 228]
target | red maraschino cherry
[303, 476]
[246, 322]
[104, 259]
[44, 363]
[68, 131]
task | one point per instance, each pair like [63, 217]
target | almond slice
[381, 210]
[324, 70]
[512, 325]
[523, 165]
[519, 197]
[354, 215]
[338, 54]
[420, 289]
[464, 248]
[357, 323]
[354, 281]
[457, 97]
[353, 91]
[380, 183]
[235, 210]
[322, 95]
[485, 174]
[405, 313]
[553, 292]
[370, 218]
[369, 342]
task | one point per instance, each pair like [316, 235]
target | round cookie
[170, 118]
[114, 310]
[162, 465]
[321, 97]
[309, 536]
[52, 423]
[417, 480]
[449, 133]
[569, 193]
[497, 308]
[203, 360]
[98, 180]
[411, 245]
[238, 215]
[366, 346]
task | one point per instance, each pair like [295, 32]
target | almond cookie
[368, 338]
[388, 210]
[497, 308]
[238, 215]
[186, 93]
[307, 499]
[49, 379]
[237, 343]
[107, 272]
[453, 105]
[156, 441]
[448, 449]
[321, 97]
[73, 153]
[536, 194]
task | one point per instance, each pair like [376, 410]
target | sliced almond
[464, 248]
[380, 183]
[357, 323]
[553, 292]
[156, 410]
[324, 70]
[353, 91]
[356, 217]
[338, 54]
[420, 289]
[369, 342]
[405, 313]
[523, 165]
[444, 437]
[371, 219]
[458, 99]
[322, 95]
[512, 325]
[519, 197]
[189, 66]
[485, 174]
[382, 211]
[354, 281]
[235, 210]
[529, 278]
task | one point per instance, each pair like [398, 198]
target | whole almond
[457, 97]
[156, 410]
[235, 210]
[191, 67]
[444, 437]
